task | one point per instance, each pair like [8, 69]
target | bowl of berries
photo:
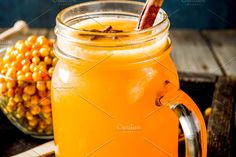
[25, 84]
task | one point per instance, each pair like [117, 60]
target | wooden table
[206, 62]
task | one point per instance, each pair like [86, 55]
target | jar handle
[190, 118]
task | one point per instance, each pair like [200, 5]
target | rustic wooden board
[221, 121]
[192, 54]
[224, 46]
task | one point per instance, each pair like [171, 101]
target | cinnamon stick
[149, 14]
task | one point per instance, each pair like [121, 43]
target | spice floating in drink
[108, 29]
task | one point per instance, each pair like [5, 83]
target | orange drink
[115, 91]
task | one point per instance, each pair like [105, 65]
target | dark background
[196, 14]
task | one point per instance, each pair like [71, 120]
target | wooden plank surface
[191, 53]
[224, 46]
[221, 121]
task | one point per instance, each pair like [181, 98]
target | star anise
[106, 30]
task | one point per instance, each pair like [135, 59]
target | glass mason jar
[119, 97]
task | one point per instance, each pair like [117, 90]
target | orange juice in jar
[115, 91]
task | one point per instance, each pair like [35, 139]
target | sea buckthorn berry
[42, 124]
[28, 44]
[35, 53]
[18, 43]
[44, 52]
[36, 76]
[19, 73]
[43, 68]
[12, 57]
[32, 65]
[32, 39]
[21, 83]
[43, 74]
[48, 121]
[27, 104]
[42, 94]
[2, 79]
[28, 55]
[3, 87]
[25, 62]
[46, 109]
[48, 84]
[36, 46]
[45, 101]
[41, 86]
[34, 100]
[11, 84]
[39, 130]
[208, 111]
[29, 116]
[33, 122]
[21, 77]
[11, 73]
[22, 48]
[26, 97]
[9, 109]
[42, 65]
[49, 129]
[9, 50]
[46, 115]
[12, 105]
[42, 40]
[36, 69]
[30, 128]
[28, 76]
[50, 42]
[35, 109]
[25, 68]
[19, 57]
[50, 71]
[10, 92]
[47, 60]
[52, 54]
[6, 66]
[19, 115]
[18, 98]
[54, 61]
[6, 59]
[19, 90]
[30, 89]
[15, 64]
[36, 60]
[4, 71]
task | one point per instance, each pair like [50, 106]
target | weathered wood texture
[223, 44]
[191, 53]
[221, 121]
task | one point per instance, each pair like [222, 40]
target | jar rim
[63, 24]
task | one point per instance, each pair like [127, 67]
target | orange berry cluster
[25, 81]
